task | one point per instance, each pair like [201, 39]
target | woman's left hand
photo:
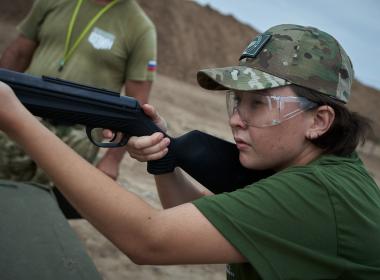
[11, 110]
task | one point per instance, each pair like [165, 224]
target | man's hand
[18, 55]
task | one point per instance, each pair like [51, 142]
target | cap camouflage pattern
[287, 54]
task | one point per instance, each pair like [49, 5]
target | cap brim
[240, 78]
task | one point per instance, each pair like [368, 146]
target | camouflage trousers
[15, 165]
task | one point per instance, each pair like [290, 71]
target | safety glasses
[260, 110]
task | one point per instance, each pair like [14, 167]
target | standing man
[108, 44]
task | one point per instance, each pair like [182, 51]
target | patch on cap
[255, 46]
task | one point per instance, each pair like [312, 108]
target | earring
[312, 135]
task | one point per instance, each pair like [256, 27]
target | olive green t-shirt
[319, 221]
[120, 46]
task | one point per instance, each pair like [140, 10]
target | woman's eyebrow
[262, 92]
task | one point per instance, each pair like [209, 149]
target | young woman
[316, 217]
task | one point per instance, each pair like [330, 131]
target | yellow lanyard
[69, 51]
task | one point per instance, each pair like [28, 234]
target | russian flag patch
[152, 65]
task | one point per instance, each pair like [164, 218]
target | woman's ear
[321, 120]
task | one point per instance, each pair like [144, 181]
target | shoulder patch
[255, 46]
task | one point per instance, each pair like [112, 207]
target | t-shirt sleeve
[276, 224]
[29, 26]
[142, 60]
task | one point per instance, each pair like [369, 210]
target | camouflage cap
[287, 54]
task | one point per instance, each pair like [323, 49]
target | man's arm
[148, 236]
[138, 89]
[18, 55]
[110, 162]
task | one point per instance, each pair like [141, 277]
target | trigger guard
[88, 132]
[114, 136]
[123, 141]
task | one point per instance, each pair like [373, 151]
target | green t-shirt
[120, 46]
[319, 221]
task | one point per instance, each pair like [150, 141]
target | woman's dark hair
[348, 130]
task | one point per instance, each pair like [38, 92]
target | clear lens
[263, 110]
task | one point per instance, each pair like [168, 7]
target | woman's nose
[236, 120]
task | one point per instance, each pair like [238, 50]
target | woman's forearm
[118, 214]
[175, 189]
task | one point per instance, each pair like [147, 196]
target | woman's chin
[253, 163]
[247, 161]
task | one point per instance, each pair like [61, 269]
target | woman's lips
[240, 144]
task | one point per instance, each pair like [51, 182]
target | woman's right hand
[150, 147]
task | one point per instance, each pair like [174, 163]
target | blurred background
[210, 33]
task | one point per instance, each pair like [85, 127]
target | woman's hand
[11, 110]
[150, 147]
[151, 112]
[146, 148]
